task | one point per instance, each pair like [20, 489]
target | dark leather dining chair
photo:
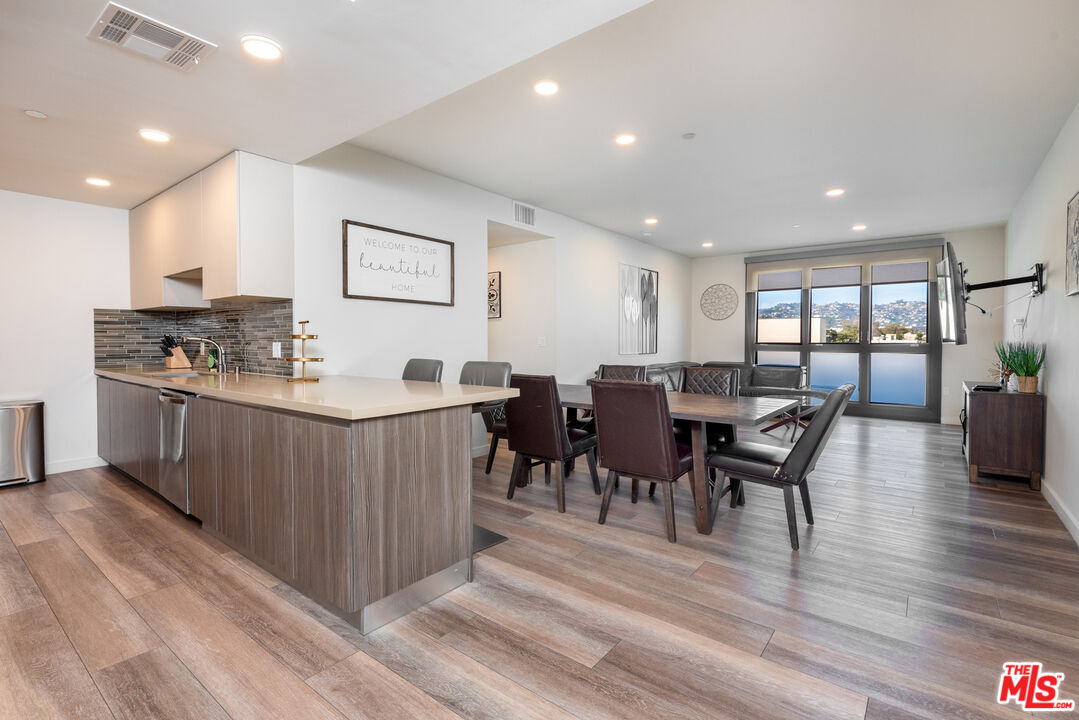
[423, 369]
[538, 434]
[785, 468]
[710, 380]
[621, 372]
[636, 438]
[494, 374]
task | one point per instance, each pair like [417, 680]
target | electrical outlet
[945, 390]
[541, 341]
[277, 349]
[202, 348]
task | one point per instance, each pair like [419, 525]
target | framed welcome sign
[384, 264]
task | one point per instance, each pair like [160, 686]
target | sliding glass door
[864, 319]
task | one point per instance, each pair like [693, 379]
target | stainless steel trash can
[22, 442]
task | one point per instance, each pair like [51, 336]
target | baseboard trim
[479, 450]
[62, 466]
[1062, 510]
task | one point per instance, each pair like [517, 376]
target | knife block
[177, 360]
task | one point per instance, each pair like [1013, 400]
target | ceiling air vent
[132, 31]
[524, 214]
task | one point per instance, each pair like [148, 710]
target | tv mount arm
[1037, 279]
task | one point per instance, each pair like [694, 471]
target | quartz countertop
[345, 397]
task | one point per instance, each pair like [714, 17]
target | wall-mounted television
[952, 296]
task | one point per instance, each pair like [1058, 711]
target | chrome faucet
[220, 350]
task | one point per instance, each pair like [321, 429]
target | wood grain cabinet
[225, 232]
[1004, 433]
[129, 429]
[370, 517]
[276, 487]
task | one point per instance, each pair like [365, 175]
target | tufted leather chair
[493, 374]
[710, 380]
[538, 433]
[670, 374]
[636, 438]
[621, 372]
[780, 467]
[423, 369]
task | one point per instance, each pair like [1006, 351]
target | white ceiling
[933, 114]
[348, 67]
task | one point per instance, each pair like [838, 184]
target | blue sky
[823, 296]
[884, 294]
[769, 298]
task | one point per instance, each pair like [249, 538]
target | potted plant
[1026, 361]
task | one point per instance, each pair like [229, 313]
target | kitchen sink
[178, 374]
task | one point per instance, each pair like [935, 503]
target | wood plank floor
[909, 593]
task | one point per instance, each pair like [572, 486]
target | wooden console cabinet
[1004, 433]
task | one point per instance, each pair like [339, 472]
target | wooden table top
[693, 406]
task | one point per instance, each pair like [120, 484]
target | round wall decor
[719, 301]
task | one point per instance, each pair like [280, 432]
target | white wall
[1036, 233]
[982, 249]
[587, 301]
[361, 337]
[720, 340]
[528, 307]
[365, 337]
[61, 260]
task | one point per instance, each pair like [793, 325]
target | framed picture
[638, 311]
[494, 295]
[1071, 248]
[384, 264]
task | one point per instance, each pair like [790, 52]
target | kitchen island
[356, 491]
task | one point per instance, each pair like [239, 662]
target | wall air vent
[524, 214]
[130, 30]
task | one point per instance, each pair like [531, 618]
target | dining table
[700, 409]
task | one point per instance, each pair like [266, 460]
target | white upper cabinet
[224, 233]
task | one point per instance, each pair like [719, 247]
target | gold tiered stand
[303, 337]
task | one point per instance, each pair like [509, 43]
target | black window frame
[865, 348]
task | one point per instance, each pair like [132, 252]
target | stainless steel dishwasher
[172, 408]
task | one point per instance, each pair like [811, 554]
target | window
[836, 305]
[900, 300]
[897, 379]
[779, 307]
[862, 319]
[828, 370]
[782, 357]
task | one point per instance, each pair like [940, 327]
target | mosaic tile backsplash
[246, 331]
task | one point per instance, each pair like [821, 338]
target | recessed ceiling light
[835, 192]
[689, 135]
[97, 182]
[796, 226]
[157, 136]
[626, 139]
[36, 114]
[858, 228]
[646, 234]
[650, 221]
[545, 87]
[261, 47]
[706, 244]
